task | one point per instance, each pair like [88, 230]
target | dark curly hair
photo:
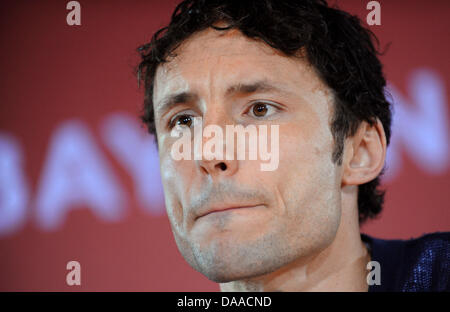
[340, 49]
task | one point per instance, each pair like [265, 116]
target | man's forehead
[210, 45]
[235, 55]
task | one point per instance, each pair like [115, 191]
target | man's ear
[364, 154]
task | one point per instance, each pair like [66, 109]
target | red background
[52, 72]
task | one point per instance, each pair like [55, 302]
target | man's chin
[220, 277]
[226, 276]
[224, 267]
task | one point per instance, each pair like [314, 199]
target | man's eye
[182, 120]
[262, 110]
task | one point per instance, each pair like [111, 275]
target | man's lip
[218, 209]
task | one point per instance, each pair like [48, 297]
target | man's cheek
[168, 170]
[292, 151]
[298, 166]
[169, 177]
[173, 200]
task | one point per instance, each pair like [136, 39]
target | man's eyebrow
[247, 88]
[173, 99]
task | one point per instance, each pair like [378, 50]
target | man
[311, 72]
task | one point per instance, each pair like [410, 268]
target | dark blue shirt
[420, 264]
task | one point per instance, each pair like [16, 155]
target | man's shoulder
[416, 264]
[439, 238]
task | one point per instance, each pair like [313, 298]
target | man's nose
[218, 167]
[215, 161]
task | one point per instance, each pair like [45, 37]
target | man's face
[292, 212]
